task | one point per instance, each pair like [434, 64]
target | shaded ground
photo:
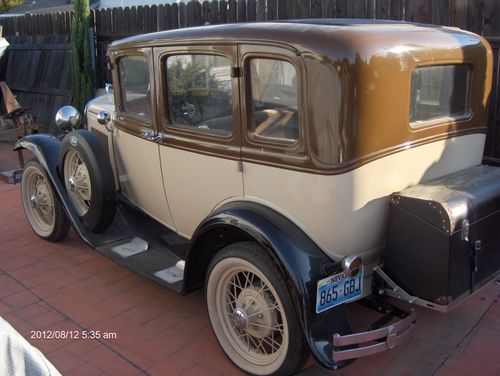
[68, 287]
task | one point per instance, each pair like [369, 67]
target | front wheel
[252, 313]
[41, 206]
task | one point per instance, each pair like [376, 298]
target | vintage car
[288, 168]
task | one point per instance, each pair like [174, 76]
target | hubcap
[240, 318]
[33, 201]
[72, 184]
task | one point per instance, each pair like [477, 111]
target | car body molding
[304, 263]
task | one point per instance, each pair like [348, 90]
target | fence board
[382, 9]
[475, 16]
[261, 10]
[419, 11]
[491, 18]
[251, 10]
[232, 14]
[190, 14]
[272, 9]
[174, 16]
[341, 8]
[304, 10]
[182, 15]
[328, 9]
[282, 9]
[316, 8]
[396, 10]
[242, 11]
[458, 14]
[223, 11]
[441, 12]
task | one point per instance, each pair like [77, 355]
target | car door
[135, 134]
[199, 119]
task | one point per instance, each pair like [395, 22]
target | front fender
[303, 262]
[46, 150]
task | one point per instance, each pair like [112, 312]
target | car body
[284, 139]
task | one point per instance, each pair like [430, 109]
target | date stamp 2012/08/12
[71, 334]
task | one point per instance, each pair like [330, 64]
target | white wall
[131, 3]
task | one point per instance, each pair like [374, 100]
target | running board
[143, 245]
[158, 265]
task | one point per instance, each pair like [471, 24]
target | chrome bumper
[387, 337]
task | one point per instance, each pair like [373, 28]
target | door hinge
[477, 251]
[236, 72]
[240, 166]
[109, 63]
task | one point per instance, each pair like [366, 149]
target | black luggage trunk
[444, 235]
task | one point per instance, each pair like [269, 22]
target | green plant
[6, 5]
[81, 70]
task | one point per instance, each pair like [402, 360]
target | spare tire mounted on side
[88, 177]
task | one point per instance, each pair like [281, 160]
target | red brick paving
[68, 287]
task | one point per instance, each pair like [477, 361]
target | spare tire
[87, 174]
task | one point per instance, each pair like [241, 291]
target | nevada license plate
[337, 289]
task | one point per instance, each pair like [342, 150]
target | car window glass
[274, 100]
[199, 93]
[135, 86]
[439, 92]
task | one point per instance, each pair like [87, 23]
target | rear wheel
[252, 313]
[41, 206]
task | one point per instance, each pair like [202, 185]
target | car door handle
[150, 134]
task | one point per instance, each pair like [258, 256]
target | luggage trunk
[444, 235]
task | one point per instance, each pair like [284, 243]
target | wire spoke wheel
[251, 312]
[78, 183]
[42, 209]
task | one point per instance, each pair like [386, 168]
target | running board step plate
[158, 265]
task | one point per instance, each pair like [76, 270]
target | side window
[199, 94]
[274, 100]
[440, 91]
[134, 85]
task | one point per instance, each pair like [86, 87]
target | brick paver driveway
[150, 330]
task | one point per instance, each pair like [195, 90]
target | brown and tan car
[288, 168]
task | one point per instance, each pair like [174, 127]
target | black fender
[302, 261]
[46, 149]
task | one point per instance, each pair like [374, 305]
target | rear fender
[302, 261]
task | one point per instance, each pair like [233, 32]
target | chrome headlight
[68, 118]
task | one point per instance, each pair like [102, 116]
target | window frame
[467, 115]
[264, 145]
[166, 120]
[127, 121]
[122, 97]
[249, 115]
[197, 140]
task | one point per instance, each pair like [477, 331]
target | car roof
[326, 36]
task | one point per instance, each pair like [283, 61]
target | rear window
[438, 92]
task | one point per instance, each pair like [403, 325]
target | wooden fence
[479, 16]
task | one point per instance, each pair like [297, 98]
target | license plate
[337, 289]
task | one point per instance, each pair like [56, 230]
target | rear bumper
[373, 341]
